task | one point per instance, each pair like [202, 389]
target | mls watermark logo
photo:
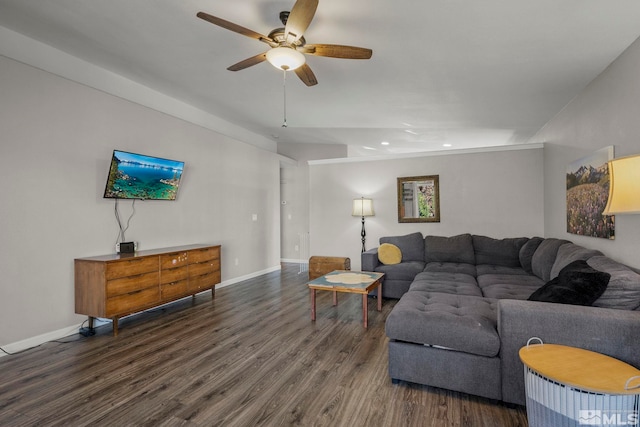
[597, 417]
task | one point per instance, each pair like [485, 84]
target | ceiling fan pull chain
[284, 87]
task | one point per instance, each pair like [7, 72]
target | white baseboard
[295, 261]
[19, 346]
[248, 276]
[28, 343]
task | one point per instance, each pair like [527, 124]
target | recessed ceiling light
[384, 143]
[368, 148]
[447, 145]
[410, 131]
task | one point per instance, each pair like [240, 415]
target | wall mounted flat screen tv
[136, 176]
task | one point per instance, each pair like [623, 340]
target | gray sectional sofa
[464, 312]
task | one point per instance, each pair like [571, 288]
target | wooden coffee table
[354, 282]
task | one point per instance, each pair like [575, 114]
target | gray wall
[606, 113]
[57, 137]
[494, 193]
[295, 196]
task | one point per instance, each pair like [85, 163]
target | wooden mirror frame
[409, 195]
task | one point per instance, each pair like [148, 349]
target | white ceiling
[470, 73]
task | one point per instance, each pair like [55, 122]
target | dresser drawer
[169, 291]
[205, 281]
[200, 255]
[132, 302]
[169, 275]
[131, 267]
[125, 285]
[202, 268]
[172, 260]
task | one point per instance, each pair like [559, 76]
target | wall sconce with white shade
[362, 207]
[624, 186]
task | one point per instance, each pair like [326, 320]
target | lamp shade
[362, 207]
[285, 58]
[624, 186]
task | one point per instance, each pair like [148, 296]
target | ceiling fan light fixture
[285, 58]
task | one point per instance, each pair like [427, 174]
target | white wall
[494, 193]
[56, 140]
[606, 113]
[294, 192]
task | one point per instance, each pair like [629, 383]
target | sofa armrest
[612, 332]
[369, 260]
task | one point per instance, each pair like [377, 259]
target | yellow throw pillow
[389, 254]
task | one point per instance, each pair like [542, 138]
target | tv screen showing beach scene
[136, 176]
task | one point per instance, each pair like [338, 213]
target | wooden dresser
[113, 286]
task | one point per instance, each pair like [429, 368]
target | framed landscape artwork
[587, 195]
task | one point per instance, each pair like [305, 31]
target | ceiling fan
[288, 45]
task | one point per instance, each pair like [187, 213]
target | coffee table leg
[335, 298]
[380, 296]
[365, 310]
[313, 304]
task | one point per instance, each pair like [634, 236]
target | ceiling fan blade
[306, 75]
[299, 19]
[337, 51]
[248, 62]
[236, 28]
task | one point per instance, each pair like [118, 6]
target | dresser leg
[89, 331]
[115, 326]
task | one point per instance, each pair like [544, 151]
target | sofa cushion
[449, 249]
[458, 322]
[505, 252]
[544, 257]
[451, 267]
[411, 245]
[500, 269]
[577, 283]
[506, 286]
[527, 251]
[505, 291]
[568, 253]
[403, 271]
[623, 291]
[389, 254]
[445, 282]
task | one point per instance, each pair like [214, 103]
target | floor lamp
[362, 207]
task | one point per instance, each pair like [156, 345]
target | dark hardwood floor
[250, 356]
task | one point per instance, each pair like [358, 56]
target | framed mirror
[419, 199]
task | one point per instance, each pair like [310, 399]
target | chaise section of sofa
[445, 340]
